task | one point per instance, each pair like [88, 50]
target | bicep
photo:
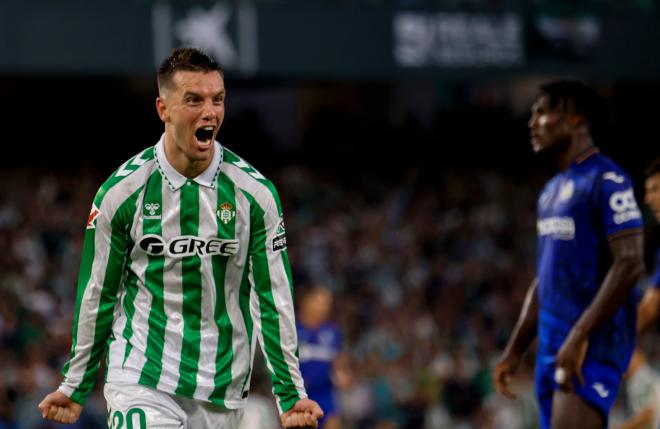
[628, 246]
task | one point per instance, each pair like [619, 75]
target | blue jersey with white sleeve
[579, 210]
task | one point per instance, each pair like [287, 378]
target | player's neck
[579, 144]
[184, 165]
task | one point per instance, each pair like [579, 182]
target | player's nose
[532, 121]
[209, 111]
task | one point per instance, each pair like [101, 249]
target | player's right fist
[504, 369]
[304, 415]
[60, 408]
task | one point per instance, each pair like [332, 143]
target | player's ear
[576, 120]
[161, 108]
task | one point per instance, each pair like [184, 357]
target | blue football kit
[579, 211]
[318, 349]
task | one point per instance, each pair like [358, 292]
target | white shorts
[132, 406]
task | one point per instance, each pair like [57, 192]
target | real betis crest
[226, 212]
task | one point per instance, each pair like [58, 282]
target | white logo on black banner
[208, 30]
[226, 30]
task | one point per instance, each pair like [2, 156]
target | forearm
[647, 313]
[274, 318]
[101, 270]
[525, 329]
[278, 339]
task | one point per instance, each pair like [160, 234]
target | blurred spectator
[642, 394]
[320, 344]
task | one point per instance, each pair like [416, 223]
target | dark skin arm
[648, 310]
[522, 336]
[626, 268]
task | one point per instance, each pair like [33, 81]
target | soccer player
[184, 269]
[581, 304]
[320, 345]
[649, 308]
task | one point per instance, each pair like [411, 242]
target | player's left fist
[303, 415]
[60, 408]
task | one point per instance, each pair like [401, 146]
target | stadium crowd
[428, 278]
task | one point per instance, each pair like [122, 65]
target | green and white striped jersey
[180, 277]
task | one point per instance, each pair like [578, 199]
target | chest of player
[565, 209]
[191, 221]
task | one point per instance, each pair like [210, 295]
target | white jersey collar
[176, 180]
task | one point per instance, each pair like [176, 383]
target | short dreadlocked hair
[581, 99]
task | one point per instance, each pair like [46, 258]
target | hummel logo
[601, 390]
[152, 209]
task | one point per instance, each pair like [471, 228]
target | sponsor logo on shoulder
[187, 245]
[624, 206]
[93, 214]
[601, 390]
[616, 178]
[560, 228]
[152, 211]
[279, 241]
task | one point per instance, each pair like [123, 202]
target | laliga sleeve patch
[93, 214]
[279, 241]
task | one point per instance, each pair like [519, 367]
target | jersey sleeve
[101, 270]
[616, 202]
[273, 308]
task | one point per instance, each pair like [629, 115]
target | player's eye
[193, 101]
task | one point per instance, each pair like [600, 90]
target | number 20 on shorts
[117, 419]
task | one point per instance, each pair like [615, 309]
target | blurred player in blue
[320, 345]
[581, 304]
[649, 308]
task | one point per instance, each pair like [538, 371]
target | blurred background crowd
[408, 185]
[427, 280]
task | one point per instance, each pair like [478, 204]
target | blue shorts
[601, 384]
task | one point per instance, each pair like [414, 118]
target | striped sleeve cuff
[75, 395]
[286, 402]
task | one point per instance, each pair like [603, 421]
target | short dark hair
[653, 168]
[584, 100]
[185, 59]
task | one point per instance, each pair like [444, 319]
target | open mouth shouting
[204, 136]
